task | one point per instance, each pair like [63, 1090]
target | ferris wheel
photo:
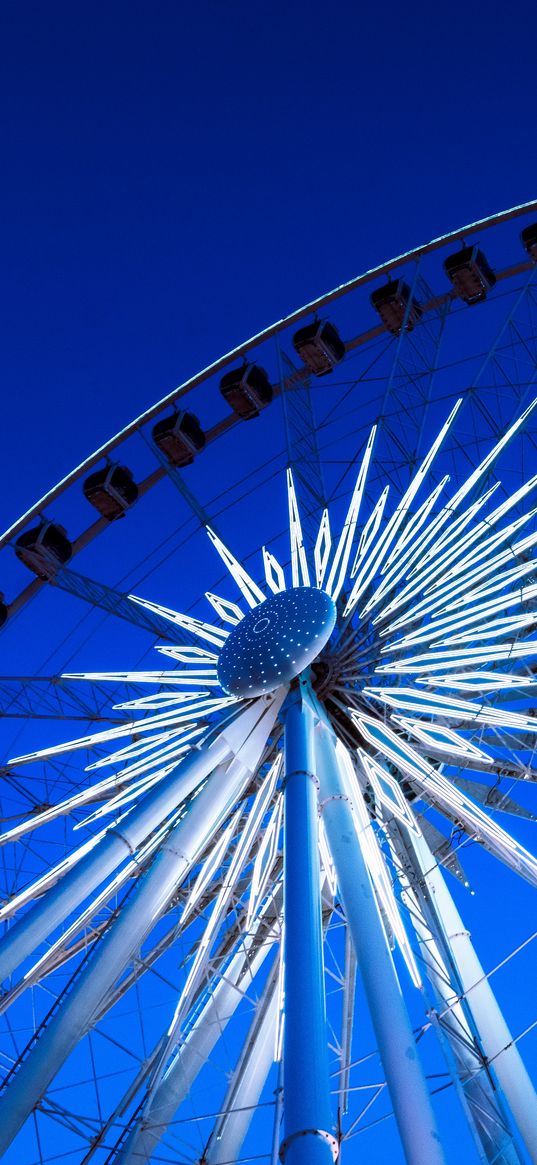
[240, 876]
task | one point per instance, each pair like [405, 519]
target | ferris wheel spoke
[400, 564]
[415, 358]
[176, 479]
[299, 561]
[303, 456]
[460, 622]
[409, 538]
[150, 750]
[503, 579]
[114, 602]
[54, 698]
[248, 588]
[465, 712]
[473, 536]
[369, 532]
[456, 590]
[193, 628]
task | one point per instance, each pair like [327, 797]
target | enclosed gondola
[396, 306]
[320, 346]
[44, 549]
[528, 238]
[247, 390]
[470, 273]
[179, 437]
[111, 490]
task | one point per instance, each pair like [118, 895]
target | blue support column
[396, 1044]
[308, 1137]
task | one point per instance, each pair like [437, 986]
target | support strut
[497, 1042]
[480, 1096]
[397, 1047]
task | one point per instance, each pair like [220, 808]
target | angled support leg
[389, 1015]
[497, 1042]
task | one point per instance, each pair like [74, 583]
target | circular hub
[276, 641]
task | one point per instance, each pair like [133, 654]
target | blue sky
[178, 176]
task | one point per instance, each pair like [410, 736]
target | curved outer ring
[171, 397]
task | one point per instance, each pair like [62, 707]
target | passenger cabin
[247, 390]
[528, 238]
[179, 437]
[394, 304]
[111, 490]
[44, 549]
[470, 274]
[3, 610]
[320, 346]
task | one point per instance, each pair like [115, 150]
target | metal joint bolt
[328, 1137]
[301, 773]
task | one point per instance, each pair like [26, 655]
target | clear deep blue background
[176, 176]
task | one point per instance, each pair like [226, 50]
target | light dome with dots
[276, 641]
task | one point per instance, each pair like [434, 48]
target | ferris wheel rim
[258, 338]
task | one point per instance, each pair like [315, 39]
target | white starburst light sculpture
[395, 632]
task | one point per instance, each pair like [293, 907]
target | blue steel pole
[308, 1137]
[397, 1048]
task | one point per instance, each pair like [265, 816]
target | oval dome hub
[276, 641]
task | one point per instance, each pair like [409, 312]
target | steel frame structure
[260, 831]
